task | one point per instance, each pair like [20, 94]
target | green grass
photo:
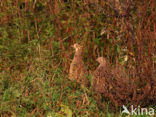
[43, 91]
[35, 53]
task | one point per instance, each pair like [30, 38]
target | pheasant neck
[102, 64]
[78, 54]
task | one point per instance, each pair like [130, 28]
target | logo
[125, 110]
[138, 111]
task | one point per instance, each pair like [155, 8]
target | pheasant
[101, 83]
[110, 84]
[78, 72]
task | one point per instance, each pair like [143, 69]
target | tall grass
[35, 51]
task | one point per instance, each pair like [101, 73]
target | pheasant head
[101, 60]
[77, 47]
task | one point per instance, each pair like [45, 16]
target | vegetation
[35, 53]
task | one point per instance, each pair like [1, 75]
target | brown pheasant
[78, 72]
[111, 83]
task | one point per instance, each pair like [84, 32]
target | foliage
[35, 51]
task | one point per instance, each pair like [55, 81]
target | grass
[35, 53]
[42, 90]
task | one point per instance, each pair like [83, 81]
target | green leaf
[17, 93]
[97, 40]
[118, 49]
[64, 109]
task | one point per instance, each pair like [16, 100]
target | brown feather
[112, 83]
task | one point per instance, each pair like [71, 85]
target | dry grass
[35, 53]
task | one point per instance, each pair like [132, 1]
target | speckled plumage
[100, 76]
[112, 83]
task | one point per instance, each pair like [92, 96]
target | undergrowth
[35, 53]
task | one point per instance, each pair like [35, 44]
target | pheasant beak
[97, 59]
